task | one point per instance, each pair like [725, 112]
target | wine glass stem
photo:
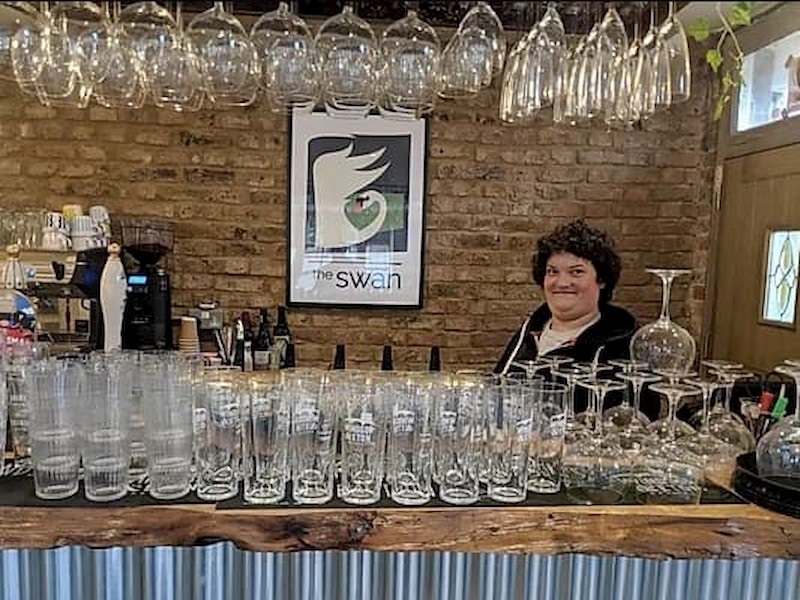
[728, 394]
[571, 400]
[666, 287]
[672, 400]
[599, 396]
[637, 396]
[706, 413]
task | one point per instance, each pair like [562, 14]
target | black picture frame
[339, 173]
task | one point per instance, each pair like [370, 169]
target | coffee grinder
[147, 321]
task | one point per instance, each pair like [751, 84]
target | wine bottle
[262, 343]
[281, 336]
[238, 344]
[247, 346]
[386, 361]
[435, 361]
[289, 362]
[339, 358]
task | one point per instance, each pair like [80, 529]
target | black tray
[773, 494]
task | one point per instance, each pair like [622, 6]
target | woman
[577, 268]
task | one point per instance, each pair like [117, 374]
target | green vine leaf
[727, 67]
[714, 59]
[741, 14]
[700, 29]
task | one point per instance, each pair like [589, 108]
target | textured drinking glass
[549, 423]
[508, 430]
[266, 442]
[457, 444]
[55, 389]
[313, 449]
[18, 413]
[218, 449]
[105, 429]
[168, 415]
[410, 446]
[138, 463]
[363, 439]
[3, 411]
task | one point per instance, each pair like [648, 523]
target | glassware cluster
[601, 76]
[307, 436]
[73, 52]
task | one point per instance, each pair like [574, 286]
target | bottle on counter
[339, 358]
[387, 364]
[262, 344]
[290, 362]
[247, 350]
[435, 360]
[281, 337]
[238, 344]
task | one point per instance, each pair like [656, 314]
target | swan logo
[358, 197]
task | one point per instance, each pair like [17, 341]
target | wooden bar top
[702, 531]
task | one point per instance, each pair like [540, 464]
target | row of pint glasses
[307, 434]
[402, 433]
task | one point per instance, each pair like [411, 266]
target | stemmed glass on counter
[778, 451]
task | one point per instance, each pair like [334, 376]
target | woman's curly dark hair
[577, 238]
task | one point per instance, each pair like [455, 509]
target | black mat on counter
[18, 490]
[712, 494]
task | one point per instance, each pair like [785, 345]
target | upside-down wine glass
[725, 424]
[663, 344]
[670, 428]
[598, 473]
[778, 452]
[717, 456]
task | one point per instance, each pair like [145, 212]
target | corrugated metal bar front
[222, 571]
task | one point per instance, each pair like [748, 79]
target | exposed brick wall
[494, 189]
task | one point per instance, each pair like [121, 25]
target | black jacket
[613, 331]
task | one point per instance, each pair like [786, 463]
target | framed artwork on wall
[356, 215]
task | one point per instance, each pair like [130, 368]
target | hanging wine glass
[778, 451]
[574, 98]
[510, 109]
[77, 35]
[348, 54]
[459, 77]
[614, 75]
[481, 19]
[60, 82]
[662, 74]
[553, 29]
[228, 57]
[17, 15]
[29, 53]
[176, 82]
[289, 74]
[676, 47]
[663, 344]
[150, 30]
[411, 52]
[122, 82]
[646, 72]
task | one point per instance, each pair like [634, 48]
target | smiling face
[570, 286]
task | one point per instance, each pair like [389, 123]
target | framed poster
[356, 222]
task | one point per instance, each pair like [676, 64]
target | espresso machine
[147, 320]
[71, 277]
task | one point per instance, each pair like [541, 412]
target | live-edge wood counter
[704, 531]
